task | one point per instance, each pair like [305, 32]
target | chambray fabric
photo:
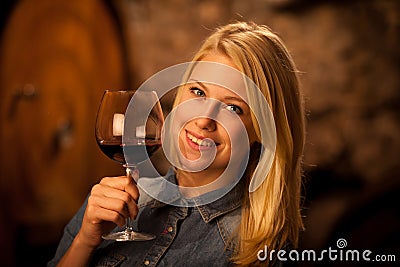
[185, 236]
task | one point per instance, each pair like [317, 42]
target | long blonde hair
[271, 214]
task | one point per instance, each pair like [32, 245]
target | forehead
[219, 73]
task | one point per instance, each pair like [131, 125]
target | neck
[196, 179]
[193, 184]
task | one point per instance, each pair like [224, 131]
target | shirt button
[146, 262]
[170, 229]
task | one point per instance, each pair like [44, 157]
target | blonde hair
[271, 214]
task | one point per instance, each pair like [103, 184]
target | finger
[133, 210]
[113, 204]
[123, 183]
[106, 193]
[105, 188]
[98, 214]
[118, 182]
[132, 189]
[115, 212]
[130, 203]
[111, 216]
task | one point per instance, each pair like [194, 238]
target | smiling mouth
[200, 143]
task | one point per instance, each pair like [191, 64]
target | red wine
[139, 150]
[134, 152]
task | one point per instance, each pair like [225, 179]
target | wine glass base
[129, 236]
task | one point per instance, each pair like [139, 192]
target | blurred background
[57, 57]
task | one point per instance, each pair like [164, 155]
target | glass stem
[129, 169]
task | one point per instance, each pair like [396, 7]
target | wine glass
[129, 143]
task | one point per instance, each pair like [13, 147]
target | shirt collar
[222, 205]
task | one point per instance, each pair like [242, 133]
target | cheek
[237, 130]
[181, 132]
[235, 135]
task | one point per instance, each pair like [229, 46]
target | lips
[198, 142]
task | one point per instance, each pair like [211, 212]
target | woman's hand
[110, 203]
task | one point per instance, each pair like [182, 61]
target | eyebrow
[234, 98]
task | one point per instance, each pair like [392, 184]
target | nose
[205, 123]
[210, 108]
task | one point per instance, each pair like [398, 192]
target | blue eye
[198, 92]
[234, 109]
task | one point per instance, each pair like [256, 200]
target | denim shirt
[191, 235]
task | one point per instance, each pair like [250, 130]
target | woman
[234, 227]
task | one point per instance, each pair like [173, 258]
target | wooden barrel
[56, 59]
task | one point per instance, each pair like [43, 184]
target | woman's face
[214, 102]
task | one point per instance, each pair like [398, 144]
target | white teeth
[199, 141]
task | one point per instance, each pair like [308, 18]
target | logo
[330, 254]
